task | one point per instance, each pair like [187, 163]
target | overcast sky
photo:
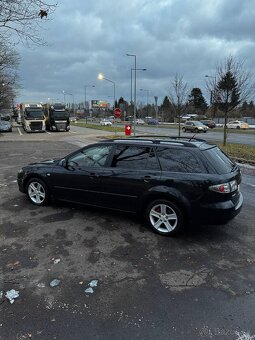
[86, 37]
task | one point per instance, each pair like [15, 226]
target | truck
[32, 117]
[56, 117]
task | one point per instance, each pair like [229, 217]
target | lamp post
[51, 100]
[212, 95]
[85, 100]
[131, 93]
[147, 92]
[70, 94]
[64, 94]
[102, 77]
[156, 103]
[134, 55]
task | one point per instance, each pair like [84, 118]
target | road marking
[49, 133]
[19, 132]
[72, 131]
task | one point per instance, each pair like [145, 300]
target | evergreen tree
[228, 91]
[197, 101]
[165, 108]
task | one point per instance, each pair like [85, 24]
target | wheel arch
[33, 175]
[181, 202]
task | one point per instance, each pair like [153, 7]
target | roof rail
[170, 137]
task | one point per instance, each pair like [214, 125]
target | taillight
[225, 188]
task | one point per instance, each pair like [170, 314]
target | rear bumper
[220, 213]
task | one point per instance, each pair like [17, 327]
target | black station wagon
[169, 180]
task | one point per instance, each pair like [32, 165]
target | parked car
[6, 117]
[73, 119]
[5, 126]
[139, 121]
[168, 180]
[210, 123]
[105, 122]
[152, 121]
[237, 124]
[194, 126]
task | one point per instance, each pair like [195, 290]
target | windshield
[34, 114]
[60, 114]
[198, 124]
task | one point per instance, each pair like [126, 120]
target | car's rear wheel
[37, 191]
[238, 127]
[183, 129]
[164, 217]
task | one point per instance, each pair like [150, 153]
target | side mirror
[63, 163]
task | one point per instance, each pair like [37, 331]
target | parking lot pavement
[195, 286]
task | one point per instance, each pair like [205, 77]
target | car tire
[238, 127]
[164, 217]
[183, 129]
[37, 192]
[196, 130]
[205, 131]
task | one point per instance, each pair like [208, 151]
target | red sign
[117, 112]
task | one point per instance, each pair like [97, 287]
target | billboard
[99, 104]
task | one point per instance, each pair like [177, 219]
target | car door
[79, 177]
[132, 172]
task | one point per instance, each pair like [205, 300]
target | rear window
[219, 160]
[179, 160]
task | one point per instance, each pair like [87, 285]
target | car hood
[46, 162]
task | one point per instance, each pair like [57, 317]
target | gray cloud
[85, 38]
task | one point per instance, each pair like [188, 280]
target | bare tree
[24, 18]
[178, 97]
[231, 86]
[9, 61]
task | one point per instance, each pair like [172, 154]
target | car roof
[149, 140]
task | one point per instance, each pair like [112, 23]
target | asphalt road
[198, 285]
[210, 135]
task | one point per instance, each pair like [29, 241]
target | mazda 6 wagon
[169, 180]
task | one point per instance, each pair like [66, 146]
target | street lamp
[64, 96]
[102, 77]
[212, 94]
[53, 100]
[134, 55]
[147, 92]
[156, 104]
[70, 94]
[85, 100]
[132, 69]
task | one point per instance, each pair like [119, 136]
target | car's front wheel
[164, 217]
[183, 129]
[37, 191]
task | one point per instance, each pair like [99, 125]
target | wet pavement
[198, 285]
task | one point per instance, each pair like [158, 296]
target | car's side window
[179, 161]
[131, 157]
[90, 157]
